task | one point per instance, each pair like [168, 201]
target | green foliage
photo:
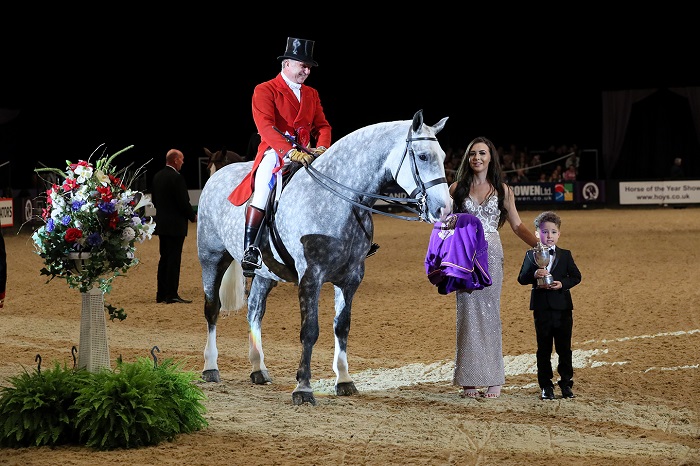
[36, 410]
[135, 405]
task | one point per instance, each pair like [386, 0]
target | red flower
[72, 234]
[81, 163]
[116, 181]
[113, 220]
[105, 192]
[70, 184]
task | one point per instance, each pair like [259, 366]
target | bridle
[417, 196]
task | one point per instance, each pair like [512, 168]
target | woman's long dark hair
[494, 174]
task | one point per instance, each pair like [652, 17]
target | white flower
[84, 173]
[128, 234]
[102, 177]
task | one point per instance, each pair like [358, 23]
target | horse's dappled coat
[327, 237]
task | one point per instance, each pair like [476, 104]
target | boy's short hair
[548, 216]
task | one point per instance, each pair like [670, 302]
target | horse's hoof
[260, 377]
[211, 375]
[345, 389]
[299, 398]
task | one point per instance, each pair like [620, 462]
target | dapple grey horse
[321, 232]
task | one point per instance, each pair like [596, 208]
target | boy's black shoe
[566, 392]
[547, 393]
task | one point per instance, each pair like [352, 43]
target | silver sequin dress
[479, 355]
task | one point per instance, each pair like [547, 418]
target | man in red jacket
[285, 103]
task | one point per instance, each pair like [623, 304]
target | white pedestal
[93, 353]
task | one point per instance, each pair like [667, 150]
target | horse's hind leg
[344, 386]
[257, 302]
[214, 268]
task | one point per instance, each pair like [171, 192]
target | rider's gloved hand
[318, 151]
[303, 158]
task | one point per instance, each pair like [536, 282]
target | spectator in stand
[542, 178]
[521, 162]
[555, 177]
[508, 164]
[676, 172]
[535, 169]
[573, 159]
[569, 174]
[518, 177]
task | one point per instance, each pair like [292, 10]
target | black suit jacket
[563, 269]
[172, 202]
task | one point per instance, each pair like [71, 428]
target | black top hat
[300, 50]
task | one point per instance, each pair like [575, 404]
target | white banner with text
[660, 192]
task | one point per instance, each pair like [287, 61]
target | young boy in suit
[552, 306]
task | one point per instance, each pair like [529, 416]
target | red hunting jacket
[274, 104]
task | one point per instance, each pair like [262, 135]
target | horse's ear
[417, 120]
[439, 125]
[207, 152]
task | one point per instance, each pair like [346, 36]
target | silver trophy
[542, 258]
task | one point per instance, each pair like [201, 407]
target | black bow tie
[551, 252]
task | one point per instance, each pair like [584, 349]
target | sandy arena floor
[636, 353]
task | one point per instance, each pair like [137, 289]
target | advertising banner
[6, 212]
[660, 192]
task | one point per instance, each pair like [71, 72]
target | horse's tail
[232, 290]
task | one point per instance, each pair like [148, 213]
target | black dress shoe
[547, 393]
[566, 392]
[177, 299]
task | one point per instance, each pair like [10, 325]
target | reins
[417, 196]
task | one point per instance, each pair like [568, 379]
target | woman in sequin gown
[480, 190]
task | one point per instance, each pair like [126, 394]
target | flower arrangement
[93, 221]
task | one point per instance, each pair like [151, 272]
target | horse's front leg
[309, 292]
[344, 386]
[257, 302]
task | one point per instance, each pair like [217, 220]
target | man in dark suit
[173, 210]
[552, 306]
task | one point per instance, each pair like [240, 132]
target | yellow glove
[318, 151]
[303, 158]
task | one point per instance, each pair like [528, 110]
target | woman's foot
[493, 391]
[469, 392]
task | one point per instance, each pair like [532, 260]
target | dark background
[190, 87]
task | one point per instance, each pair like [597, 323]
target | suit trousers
[554, 326]
[170, 248]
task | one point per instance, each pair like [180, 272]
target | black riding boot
[251, 253]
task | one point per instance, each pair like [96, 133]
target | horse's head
[421, 170]
[216, 160]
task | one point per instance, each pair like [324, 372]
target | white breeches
[265, 180]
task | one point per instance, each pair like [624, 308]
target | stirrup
[372, 250]
[251, 259]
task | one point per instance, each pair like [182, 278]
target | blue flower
[94, 239]
[107, 207]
